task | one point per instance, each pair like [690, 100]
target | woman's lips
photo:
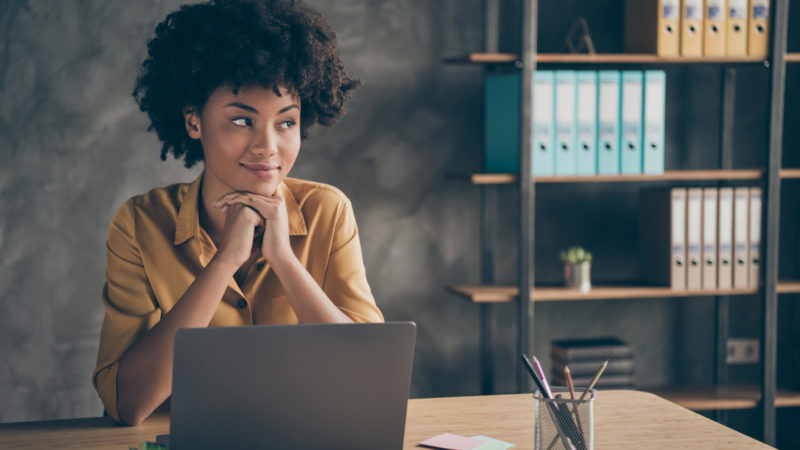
[261, 171]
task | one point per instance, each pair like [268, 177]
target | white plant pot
[578, 276]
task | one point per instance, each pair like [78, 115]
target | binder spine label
[738, 9]
[760, 9]
[694, 11]
[714, 10]
[669, 9]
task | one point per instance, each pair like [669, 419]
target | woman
[236, 84]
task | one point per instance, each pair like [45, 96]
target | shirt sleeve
[346, 278]
[130, 305]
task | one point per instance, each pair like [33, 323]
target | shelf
[607, 58]
[723, 397]
[670, 175]
[790, 173]
[789, 287]
[502, 294]
[793, 57]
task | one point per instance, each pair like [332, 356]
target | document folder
[755, 238]
[662, 237]
[655, 82]
[566, 157]
[587, 123]
[737, 27]
[725, 239]
[608, 122]
[692, 28]
[709, 245]
[652, 26]
[758, 30]
[501, 123]
[543, 123]
[631, 120]
[715, 28]
[741, 219]
[694, 215]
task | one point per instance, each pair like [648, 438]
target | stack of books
[585, 356]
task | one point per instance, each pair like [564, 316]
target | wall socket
[743, 351]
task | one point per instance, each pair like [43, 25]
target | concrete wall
[75, 147]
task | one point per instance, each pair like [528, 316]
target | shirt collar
[188, 221]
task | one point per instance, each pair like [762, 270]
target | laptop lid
[292, 386]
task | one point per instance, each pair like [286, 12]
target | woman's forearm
[308, 300]
[144, 377]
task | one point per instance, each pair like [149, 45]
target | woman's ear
[192, 122]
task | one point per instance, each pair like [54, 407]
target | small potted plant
[577, 268]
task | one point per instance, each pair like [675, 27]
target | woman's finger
[265, 208]
[245, 197]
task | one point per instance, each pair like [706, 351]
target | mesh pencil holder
[563, 423]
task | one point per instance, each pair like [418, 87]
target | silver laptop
[292, 386]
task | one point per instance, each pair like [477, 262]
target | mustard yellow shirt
[156, 248]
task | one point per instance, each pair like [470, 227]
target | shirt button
[242, 303]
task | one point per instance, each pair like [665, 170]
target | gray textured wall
[74, 148]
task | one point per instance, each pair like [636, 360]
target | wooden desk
[623, 419]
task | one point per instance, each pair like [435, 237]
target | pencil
[594, 380]
[568, 376]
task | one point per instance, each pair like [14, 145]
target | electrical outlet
[742, 351]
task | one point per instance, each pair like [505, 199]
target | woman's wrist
[223, 264]
[282, 264]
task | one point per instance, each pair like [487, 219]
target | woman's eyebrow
[242, 106]
[288, 108]
[251, 109]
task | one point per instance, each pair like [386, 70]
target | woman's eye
[286, 124]
[242, 122]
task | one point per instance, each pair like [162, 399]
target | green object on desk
[490, 446]
[491, 443]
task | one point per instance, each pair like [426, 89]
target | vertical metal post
[722, 303]
[491, 26]
[526, 191]
[487, 321]
[771, 218]
[491, 44]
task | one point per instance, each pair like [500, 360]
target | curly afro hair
[236, 43]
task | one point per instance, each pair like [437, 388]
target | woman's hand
[242, 226]
[275, 244]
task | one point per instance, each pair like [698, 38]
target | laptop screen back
[292, 386]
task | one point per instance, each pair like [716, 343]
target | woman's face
[250, 137]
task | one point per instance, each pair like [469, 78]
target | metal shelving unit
[525, 293]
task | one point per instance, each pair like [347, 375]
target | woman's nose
[264, 143]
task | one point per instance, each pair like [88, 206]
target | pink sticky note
[449, 441]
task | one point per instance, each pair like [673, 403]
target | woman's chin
[265, 189]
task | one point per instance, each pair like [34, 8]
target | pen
[539, 371]
[527, 362]
[594, 380]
